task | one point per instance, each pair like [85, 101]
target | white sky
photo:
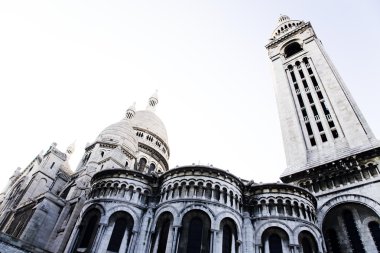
[68, 69]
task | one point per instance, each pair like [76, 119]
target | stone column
[132, 243]
[176, 236]
[106, 237]
[214, 241]
[98, 237]
[124, 241]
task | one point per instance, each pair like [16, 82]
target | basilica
[123, 196]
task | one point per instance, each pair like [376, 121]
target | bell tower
[320, 121]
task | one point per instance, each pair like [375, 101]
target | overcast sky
[68, 69]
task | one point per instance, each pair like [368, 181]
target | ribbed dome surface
[148, 120]
[121, 132]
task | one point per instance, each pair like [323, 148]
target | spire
[153, 101]
[283, 18]
[131, 111]
[70, 149]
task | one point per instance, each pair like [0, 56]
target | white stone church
[124, 198]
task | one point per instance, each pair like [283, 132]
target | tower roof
[285, 25]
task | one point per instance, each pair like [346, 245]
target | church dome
[149, 121]
[121, 133]
[285, 25]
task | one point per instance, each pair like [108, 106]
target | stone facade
[123, 198]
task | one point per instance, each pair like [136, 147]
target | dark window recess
[304, 84]
[310, 98]
[296, 86]
[374, 228]
[353, 233]
[310, 71]
[301, 74]
[275, 244]
[333, 241]
[227, 239]
[304, 113]
[293, 76]
[314, 81]
[117, 235]
[320, 96]
[292, 49]
[335, 134]
[325, 110]
[308, 127]
[163, 237]
[300, 100]
[323, 137]
[314, 110]
[306, 246]
[142, 164]
[195, 236]
[331, 123]
[320, 127]
[312, 141]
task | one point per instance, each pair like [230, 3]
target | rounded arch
[164, 209]
[279, 224]
[285, 48]
[275, 239]
[307, 242]
[126, 209]
[348, 216]
[196, 232]
[310, 229]
[199, 207]
[91, 206]
[347, 198]
[229, 215]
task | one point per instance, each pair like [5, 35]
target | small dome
[283, 18]
[149, 121]
[121, 133]
[285, 25]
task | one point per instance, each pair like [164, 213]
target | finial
[71, 148]
[283, 18]
[153, 101]
[131, 111]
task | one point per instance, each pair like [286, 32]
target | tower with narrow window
[330, 149]
[319, 119]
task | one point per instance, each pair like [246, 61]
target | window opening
[227, 239]
[52, 165]
[163, 237]
[275, 244]
[374, 228]
[353, 233]
[117, 235]
[195, 236]
[292, 49]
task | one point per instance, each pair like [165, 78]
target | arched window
[227, 239]
[374, 228]
[341, 231]
[275, 244]
[307, 242]
[152, 167]
[142, 164]
[87, 231]
[126, 164]
[274, 240]
[332, 241]
[195, 236]
[352, 231]
[292, 49]
[121, 224]
[160, 238]
[117, 235]
[163, 237]
[229, 236]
